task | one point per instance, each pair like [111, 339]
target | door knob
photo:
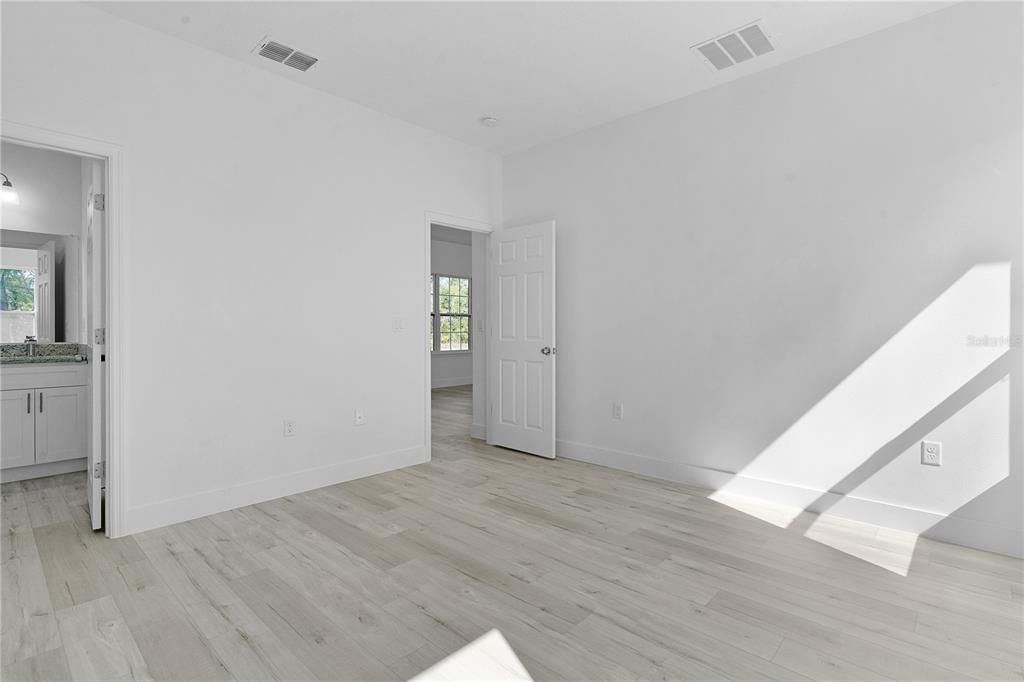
[546, 350]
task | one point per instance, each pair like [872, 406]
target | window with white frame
[450, 323]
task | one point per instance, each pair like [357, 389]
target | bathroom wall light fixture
[7, 193]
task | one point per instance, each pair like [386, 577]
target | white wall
[48, 187]
[208, 249]
[448, 258]
[452, 368]
[18, 259]
[727, 261]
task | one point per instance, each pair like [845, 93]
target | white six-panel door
[45, 321]
[521, 349]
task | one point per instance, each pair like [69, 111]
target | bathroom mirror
[40, 287]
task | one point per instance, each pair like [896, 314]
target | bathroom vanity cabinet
[45, 410]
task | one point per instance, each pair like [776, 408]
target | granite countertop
[46, 353]
[45, 360]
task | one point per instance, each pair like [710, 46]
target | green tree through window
[450, 321]
[17, 290]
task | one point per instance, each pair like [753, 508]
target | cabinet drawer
[44, 376]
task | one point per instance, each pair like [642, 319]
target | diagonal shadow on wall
[917, 431]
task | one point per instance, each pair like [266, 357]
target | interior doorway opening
[452, 335]
[455, 325]
[56, 316]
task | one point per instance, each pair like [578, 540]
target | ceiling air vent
[736, 46]
[300, 61]
[275, 51]
[285, 55]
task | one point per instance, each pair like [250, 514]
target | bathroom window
[17, 304]
[450, 321]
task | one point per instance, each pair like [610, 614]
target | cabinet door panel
[17, 426]
[60, 423]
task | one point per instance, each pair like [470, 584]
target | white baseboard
[990, 537]
[46, 469]
[164, 513]
[957, 530]
[680, 472]
[478, 431]
[448, 383]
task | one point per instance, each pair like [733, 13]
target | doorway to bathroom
[59, 230]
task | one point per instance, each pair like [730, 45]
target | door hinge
[99, 470]
[99, 336]
[99, 202]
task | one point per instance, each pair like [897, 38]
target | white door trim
[435, 218]
[113, 155]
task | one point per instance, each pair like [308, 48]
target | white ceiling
[545, 69]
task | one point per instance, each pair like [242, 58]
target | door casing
[113, 156]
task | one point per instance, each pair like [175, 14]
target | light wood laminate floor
[589, 573]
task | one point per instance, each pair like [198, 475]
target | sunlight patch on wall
[918, 368]
[976, 456]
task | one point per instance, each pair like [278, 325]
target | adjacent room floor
[589, 573]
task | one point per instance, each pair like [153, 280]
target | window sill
[443, 353]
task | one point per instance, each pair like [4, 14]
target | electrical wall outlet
[931, 453]
[360, 417]
[617, 410]
[397, 324]
[289, 428]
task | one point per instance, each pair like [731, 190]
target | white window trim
[435, 317]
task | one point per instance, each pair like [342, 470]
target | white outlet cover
[931, 453]
[289, 427]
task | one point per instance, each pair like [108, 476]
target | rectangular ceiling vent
[299, 60]
[736, 46]
[283, 54]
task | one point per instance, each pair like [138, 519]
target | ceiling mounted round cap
[489, 121]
